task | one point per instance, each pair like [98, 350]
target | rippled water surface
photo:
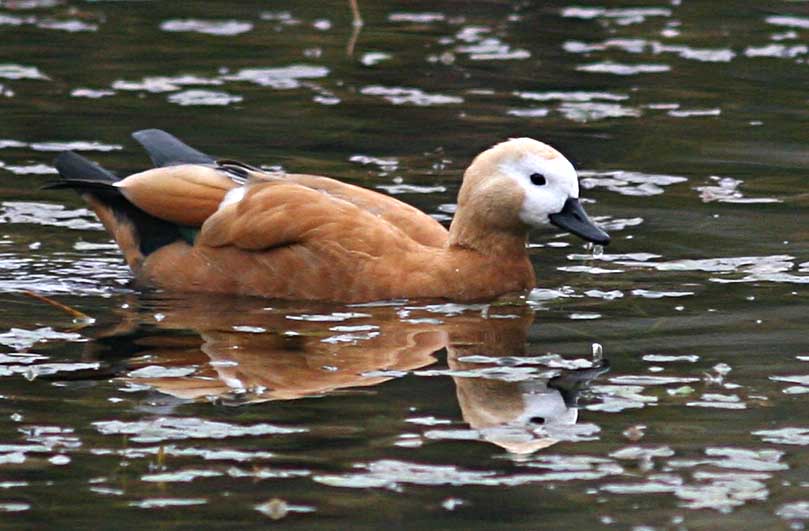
[687, 121]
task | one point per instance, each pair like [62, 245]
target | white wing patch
[233, 196]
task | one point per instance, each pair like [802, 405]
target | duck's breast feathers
[185, 194]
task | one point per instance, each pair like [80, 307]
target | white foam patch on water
[32, 372]
[796, 436]
[336, 316]
[593, 111]
[617, 398]
[48, 214]
[539, 296]
[14, 507]
[392, 474]
[798, 379]
[630, 183]
[780, 51]
[157, 84]
[651, 380]
[589, 270]
[374, 58]
[620, 16]
[480, 46]
[614, 257]
[654, 294]
[663, 358]
[395, 189]
[30, 169]
[284, 17]
[162, 503]
[12, 71]
[69, 25]
[553, 361]
[584, 316]
[788, 21]
[204, 98]
[726, 190]
[276, 509]
[410, 96]
[350, 337]
[505, 374]
[794, 511]
[640, 453]
[267, 473]
[208, 27]
[717, 404]
[279, 78]
[604, 295]
[76, 145]
[621, 69]
[451, 309]
[534, 112]
[384, 163]
[756, 266]
[157, 371]
[180, 476]
[691, 113]
[177, 428]
[83, 92]
[764, 460]
[21, 339]
[588, 13]
[616, 224]
[626, 45]
[705, 55]
[575, 96]
[420, 18]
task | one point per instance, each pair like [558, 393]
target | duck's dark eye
[537, 179]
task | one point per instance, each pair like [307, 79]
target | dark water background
[688, 122]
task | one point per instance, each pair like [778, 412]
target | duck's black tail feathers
[167, 150]
[137, 233]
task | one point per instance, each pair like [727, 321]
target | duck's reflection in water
[239, 350]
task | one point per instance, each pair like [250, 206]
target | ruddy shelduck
[197, 224]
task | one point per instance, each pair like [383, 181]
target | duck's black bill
[574, 219]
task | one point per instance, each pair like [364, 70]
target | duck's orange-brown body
[308, 237]
[297, 236]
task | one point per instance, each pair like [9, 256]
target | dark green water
[688, 123]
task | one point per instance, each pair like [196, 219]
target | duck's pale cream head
[523, 182]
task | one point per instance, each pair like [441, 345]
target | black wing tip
[166, 149]
[142, 134]
[77, 171]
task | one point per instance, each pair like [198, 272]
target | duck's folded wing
[185, 194]
[281, 213]
[412, 221]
